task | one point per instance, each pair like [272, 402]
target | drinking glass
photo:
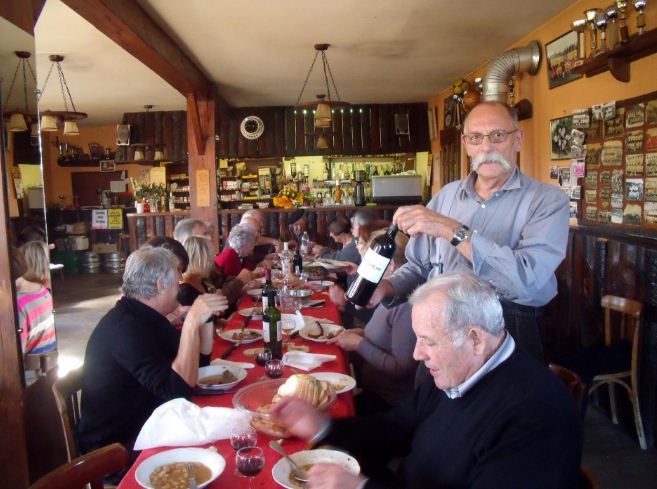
[250, 461]
[274, 369]
[245, 438]
[287, 327]
[263, 357]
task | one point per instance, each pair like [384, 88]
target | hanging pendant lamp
[18, 120]
[69, 116]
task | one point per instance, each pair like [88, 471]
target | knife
[230, 350]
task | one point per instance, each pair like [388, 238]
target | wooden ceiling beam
[130, 26]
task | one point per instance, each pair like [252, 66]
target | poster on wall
[560, 135]
[561, 54]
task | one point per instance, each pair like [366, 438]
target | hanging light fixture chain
[24, 85]
[65, 85]
[11, 86]
[45, 83]
[325, 63]
[307, 77]
[61, 86]
[337, 94]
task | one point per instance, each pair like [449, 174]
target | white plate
[281, 469]
[227, 334]
[345, 382]
[246, 312]
[237, 371]
[210, 459]
[311, 326]
[255, 293]
[332, 265]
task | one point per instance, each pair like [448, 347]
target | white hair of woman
[200, 252]
[37, 260]
[470, 302]
[189, 227]
[144, 267]
[242, 239]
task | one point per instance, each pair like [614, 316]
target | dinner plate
[210, 459]
[246, 312]
[255, 293]
[228, 335]
[281, 469]
[332, 265]
[341, 382]
[311, 327]
[237, 371]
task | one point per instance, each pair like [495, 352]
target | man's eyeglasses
[495, 137]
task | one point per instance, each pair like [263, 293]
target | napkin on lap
[305, 361]
[221, 361]
[179, 423]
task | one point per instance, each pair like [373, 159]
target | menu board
[620, 187]
[203, 188]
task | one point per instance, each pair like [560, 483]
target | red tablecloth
[344, 405]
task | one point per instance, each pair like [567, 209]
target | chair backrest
[88, 469]
[628, 327]
[40, 362]
[573, 383]
[66, 392]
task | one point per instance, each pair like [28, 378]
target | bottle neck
[392, 230]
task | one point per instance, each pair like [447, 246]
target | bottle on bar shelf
[372, 268]
[271, 327]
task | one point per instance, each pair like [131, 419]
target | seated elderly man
[489, 416]
[255, 219]
[241, 241]
[135, 360]
[191, 227]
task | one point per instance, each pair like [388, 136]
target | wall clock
[252, 127]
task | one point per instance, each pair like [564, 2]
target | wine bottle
[372, 267]
[271, 327]
[265, 290]
[297, 263]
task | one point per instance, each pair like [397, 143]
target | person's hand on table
[347, 340]
[417, 219]
[336, 294]
[332, 476]
[300, 418]
[205, 306]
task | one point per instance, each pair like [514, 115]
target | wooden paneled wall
[165, 128]
[357, 130]
[605, 261]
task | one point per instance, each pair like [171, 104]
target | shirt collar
[503, 352]
[512, 183]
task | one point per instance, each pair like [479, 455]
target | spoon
[299, 474]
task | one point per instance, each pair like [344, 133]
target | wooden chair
[573, 383]
[40, 363]
[88, 469]
[628, 328]
[66, 392]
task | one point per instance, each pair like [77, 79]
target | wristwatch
[461, 233]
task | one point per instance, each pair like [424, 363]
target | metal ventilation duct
[508, 64]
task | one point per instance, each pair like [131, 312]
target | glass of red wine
[263, 357]
[250, 461]
[245, 438]
[274, 369]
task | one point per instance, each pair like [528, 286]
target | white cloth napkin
[220, 361]
[305, 361]
[180, 423]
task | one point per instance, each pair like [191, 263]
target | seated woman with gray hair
[241, 242]
[135, 361]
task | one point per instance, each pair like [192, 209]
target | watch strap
[462, 233]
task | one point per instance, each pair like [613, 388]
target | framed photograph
[560, 138]
[561, 54]
[107, 165]
[449, 111]
[95, 150]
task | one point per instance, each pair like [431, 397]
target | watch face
[252, 127]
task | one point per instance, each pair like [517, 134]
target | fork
[192, 479]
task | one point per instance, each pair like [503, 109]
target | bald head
[487, 107]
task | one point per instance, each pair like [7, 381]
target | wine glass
[263, 357]
[287, 327]
[274, 369]
[244, 438]
[250, 461]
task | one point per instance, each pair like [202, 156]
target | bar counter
[144, 226]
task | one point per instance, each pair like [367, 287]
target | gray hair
[241, 237]
[470, 302]
[185, 228]
[362, 217]
[513, 114]
[200, 252]
[254, 214]
[144, 267]
[37, 260]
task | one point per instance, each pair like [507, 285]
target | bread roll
[313, 391]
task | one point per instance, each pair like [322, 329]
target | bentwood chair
[88, 469]
[623, 332]
[66, 392]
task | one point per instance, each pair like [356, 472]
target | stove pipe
[500, 71]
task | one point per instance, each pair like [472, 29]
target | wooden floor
[611, 452]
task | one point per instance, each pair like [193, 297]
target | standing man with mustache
[505, 227]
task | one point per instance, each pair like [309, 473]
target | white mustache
[492, 157]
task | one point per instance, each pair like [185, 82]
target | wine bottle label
[265, 302]
[266, 337]
[373, 266]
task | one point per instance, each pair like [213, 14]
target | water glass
[287, 327]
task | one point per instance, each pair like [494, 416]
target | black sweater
[516, 428]
[127, 374]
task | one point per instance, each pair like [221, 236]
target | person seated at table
[34, 306]
[383, 358]
[174, 247]
[191, 227]
[490, 415]
[135, 361]
[297, 222]
[340, 231]
[241, 241]
[256, 219]
[195, 281]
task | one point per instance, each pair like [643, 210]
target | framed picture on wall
[561, 54]
[560, 138]
[107, 165]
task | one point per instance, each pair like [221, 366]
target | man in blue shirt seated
[490, 415]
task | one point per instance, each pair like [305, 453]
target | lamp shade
[159, 155]
[17, 123]
[139, 155]
[48, 123]
[322, 143]
[71, 128]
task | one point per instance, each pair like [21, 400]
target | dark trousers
[522, 323]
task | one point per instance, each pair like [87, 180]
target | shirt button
[483, 206]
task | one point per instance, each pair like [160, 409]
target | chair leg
[637, 419]
[612, 403]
